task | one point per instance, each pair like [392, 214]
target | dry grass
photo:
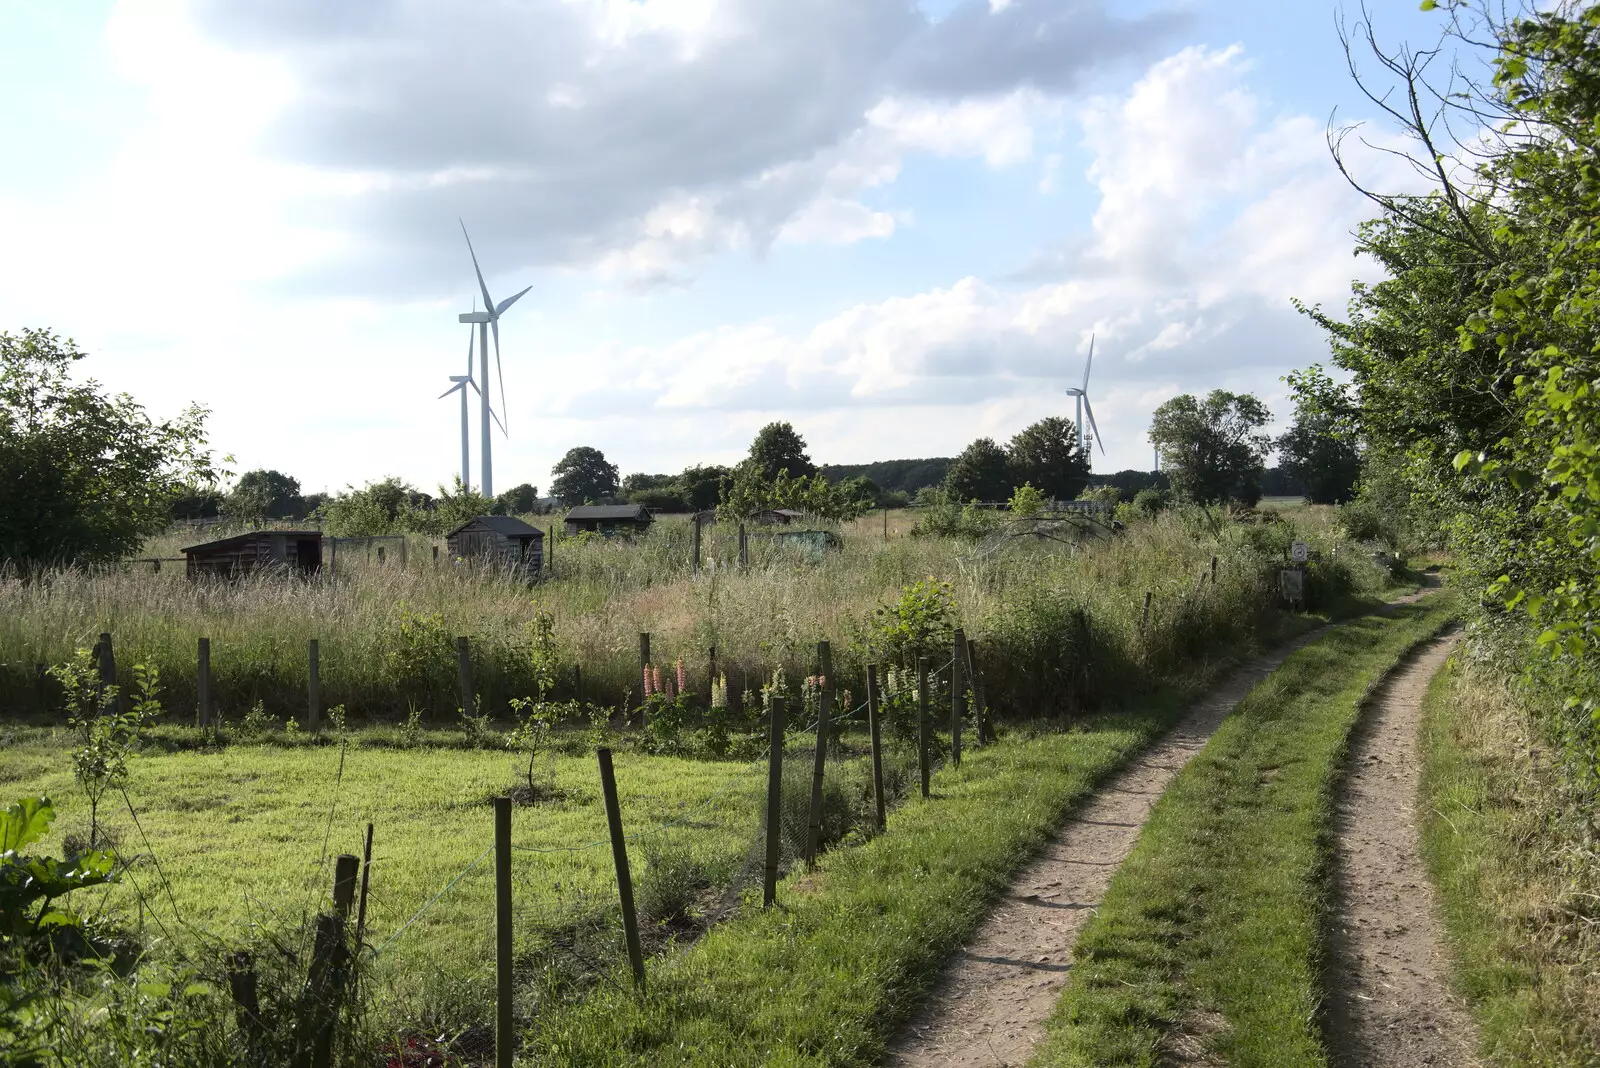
[1512, 851]
[386, 631]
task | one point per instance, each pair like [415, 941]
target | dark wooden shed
[609, 519]
[504, 538]
[777, 517]
[295, 551]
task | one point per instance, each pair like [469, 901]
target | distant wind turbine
[1082, 396]
[461, 384]
[486, 320]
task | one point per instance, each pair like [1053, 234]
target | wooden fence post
[922, 722]
[203, 682]
[744, 548]
[697, 543]
[1213, 571]
[366, 878]
[644, 649]
[1144, 616]
[550, 553]
[886, 522]
[108, 666]
[980, 714]
[877, 744]
[814, 820]
[345, 867]
[246, 997]
[313, 689]
[326, 985]
[619, 854]
[774, 831]
[958, 694]
[435, 556]
[333, 557]
[504, 1041]
[469, 704]
[380, 554]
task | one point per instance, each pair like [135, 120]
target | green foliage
[1474, 360]
[982, 472]
[584, 475]
[263, 494]
[890, 476]
[1047, 455]
[1322, 449]
[419, 655]
[750, 492]
[84, 477]
[1213, 449]
[942, 516]
[1027, 502]
[105, 732]
[1151, 501]
[30, 886]
[387, 506]
[778, 448]
[920, 624]
[518, 500]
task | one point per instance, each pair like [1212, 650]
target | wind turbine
[1082, 396]
[461, 384]
[486, 320]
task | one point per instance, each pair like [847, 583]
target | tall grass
[1059, 624]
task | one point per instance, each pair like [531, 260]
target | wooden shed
[298, 552]
[498, 537]
[777, 517]
[609, 519]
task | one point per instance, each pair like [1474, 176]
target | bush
[1152, 501]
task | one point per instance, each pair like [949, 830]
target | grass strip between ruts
[1515, 900]
[1208, 943]
[823, 977]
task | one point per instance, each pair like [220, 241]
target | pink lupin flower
[683, 683]
[647, 688]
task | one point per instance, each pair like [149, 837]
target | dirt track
[990, 1006]
[1389, 1003]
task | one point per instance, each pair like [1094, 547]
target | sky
[896, 225]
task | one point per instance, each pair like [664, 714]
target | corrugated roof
[610, 511]
[509, 525]
[220, 542]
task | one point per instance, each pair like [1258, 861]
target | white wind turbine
[486, 320]
[1082, 396]
[461, 384]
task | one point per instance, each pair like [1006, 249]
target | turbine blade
[471, 330]
[1087, 364]
[488, 301]
[1089, 409]
[449, 391]
[496, 417]
[499, 309]
[494, 324]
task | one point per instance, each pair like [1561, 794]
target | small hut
[777, 517]
[609, 520]
[298, 552]
[504, 538]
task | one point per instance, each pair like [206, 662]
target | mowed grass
[239, 836]
[1209, 938]
[1518, 884]
[826, 977]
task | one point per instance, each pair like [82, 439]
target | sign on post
[1299, 552]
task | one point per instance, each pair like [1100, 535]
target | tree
[1213, 449]
[84, 477]
[1321, 450]
[981, 473]
[518, 500]
[263, 494]
[584, 475]
[778, 448]
[638, 480]
[701, 486]
[387, 506]
[1046, 455]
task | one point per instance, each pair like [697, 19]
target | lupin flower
[648, 689]
[683, 679]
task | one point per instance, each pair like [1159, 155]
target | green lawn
[239, 834]
[1209, 937]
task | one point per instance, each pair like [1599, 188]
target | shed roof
[239, 539]
[509, 525]
[611, 511]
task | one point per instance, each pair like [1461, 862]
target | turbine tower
[461, 384]
[1082, 397]
[486, 320]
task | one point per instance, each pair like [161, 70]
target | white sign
[1299, 552]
